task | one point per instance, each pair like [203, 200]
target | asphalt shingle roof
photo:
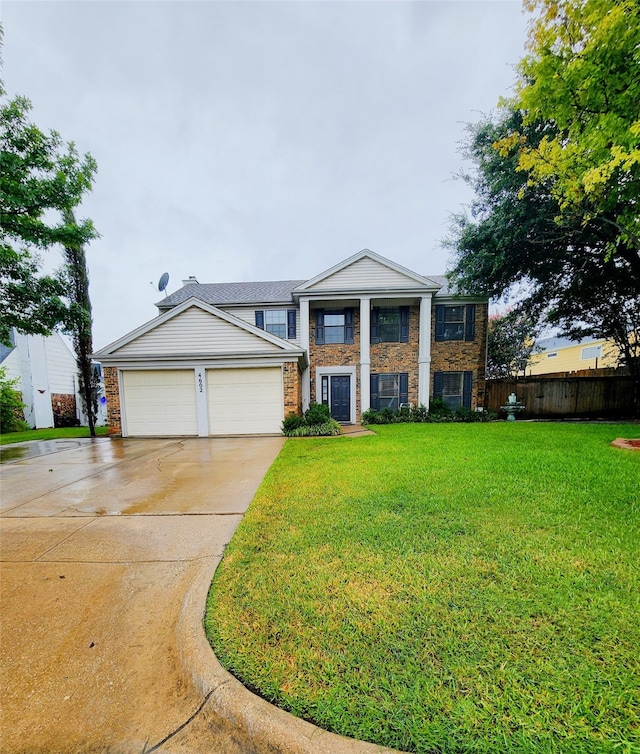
[269, 292]
[266, 292]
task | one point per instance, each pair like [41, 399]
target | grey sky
[259, 140]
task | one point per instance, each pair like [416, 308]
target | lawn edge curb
[252, 722]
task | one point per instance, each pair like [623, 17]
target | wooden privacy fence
[555, 397]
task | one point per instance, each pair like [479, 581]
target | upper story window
[592, 352]
[456, 322]
[279, 322]
[334, 326]
[390, 324]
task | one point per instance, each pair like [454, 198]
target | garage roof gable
[194, 328]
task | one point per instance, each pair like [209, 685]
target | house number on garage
[200, 383]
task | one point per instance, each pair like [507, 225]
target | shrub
[11, 405]
[317, 413]
[438, 411]
[291, 422]
[316, 422]
[326, 429]
[438, 408]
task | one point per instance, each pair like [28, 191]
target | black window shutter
[467, 382]
[319, 327]
[375, 325]
[291, 324]
[260, 319]
[439, 321]
[348, 325]
[470, 322]
[437, 384]
[375, 400]
[404, 324]
[404, 387]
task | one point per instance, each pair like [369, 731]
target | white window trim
[338, 372]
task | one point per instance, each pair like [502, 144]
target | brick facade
[335, 355]
[112, 392]
[461, 356]
[392, 358]
[292, 388]
[64, 409]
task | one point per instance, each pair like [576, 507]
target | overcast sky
[260, 140]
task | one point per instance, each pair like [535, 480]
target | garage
[198, 371]
[245, 401]
[160, 403]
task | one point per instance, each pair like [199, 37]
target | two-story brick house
[235, 358]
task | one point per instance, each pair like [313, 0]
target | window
[455, 322]
[389, 390]
[390, 324]
[279, 322]
[592, 352]
[454, 388]
[335, 326]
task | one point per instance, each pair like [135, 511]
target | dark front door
[341, 398]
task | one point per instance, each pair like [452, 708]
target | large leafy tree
[42, 182]
[516, 243]
[581, 76]
[41, 178]
[556, 218]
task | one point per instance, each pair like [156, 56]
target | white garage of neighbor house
[198, 371]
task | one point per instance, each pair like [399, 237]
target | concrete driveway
[101, 545]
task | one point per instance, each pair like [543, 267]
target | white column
[424, 352]
[365, 357]
[304, 342]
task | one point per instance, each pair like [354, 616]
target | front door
[341, 398]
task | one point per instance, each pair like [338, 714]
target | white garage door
[160, 402]
[245, 401]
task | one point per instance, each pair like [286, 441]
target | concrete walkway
[107, 551]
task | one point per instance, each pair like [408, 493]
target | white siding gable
[365, 274]
[61, 365]
[195, 331]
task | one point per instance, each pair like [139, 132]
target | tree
[580, 78]
[78, 321]
[510, 344]
[41, 178]
[42, 181]
[518, 243]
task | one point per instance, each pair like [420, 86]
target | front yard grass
[49, 434]
[444, 588]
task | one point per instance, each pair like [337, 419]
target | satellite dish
[164, 282]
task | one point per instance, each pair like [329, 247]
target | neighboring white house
[47, 373]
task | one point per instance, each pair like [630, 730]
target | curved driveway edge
[252, 724]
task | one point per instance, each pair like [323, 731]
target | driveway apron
[100, 544]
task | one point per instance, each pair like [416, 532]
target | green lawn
[445, 588]
[49, 434]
